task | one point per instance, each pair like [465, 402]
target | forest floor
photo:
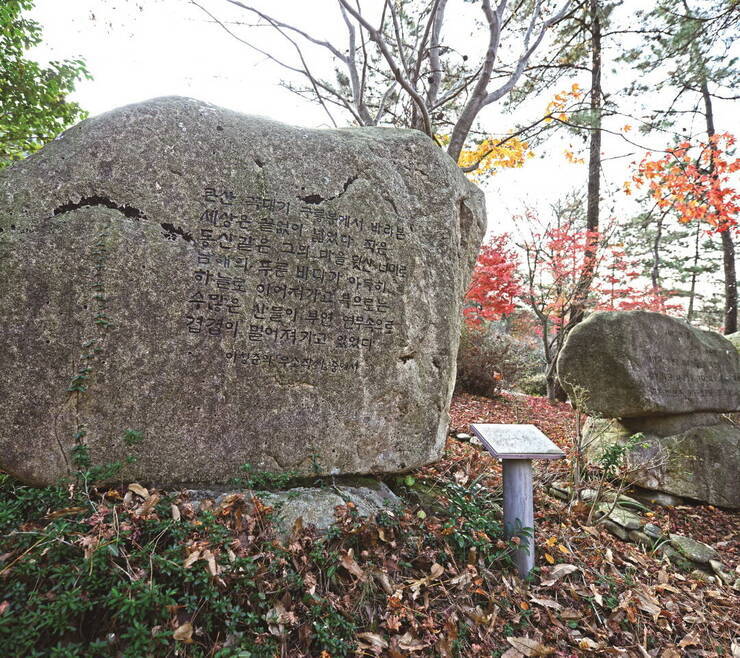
[129, 571]
[625, 601]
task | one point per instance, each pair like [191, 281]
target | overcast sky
[172, 48]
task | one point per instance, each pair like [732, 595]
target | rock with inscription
[199, 289]
[635, 363]
[700, 462]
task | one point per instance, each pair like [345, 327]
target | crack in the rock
[171, 232]
[316, 199]
[127, 211]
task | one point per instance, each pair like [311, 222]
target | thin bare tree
[397, 68]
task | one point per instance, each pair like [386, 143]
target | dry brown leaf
[547, 603]
[648, 604]
[384, 581]
[408, 642]
[667, 588]
[278, 617]
[67, 511]
[689, 640]
[184, 633]
[557, 572]
[149, 504]
[191, 559]
[512, 653]
[4, 607]
[587, 643]
[138, 490]
[670, 652]
[436, 571]
[374, 640]
[529, 647]
[348, 562]
[210, 558]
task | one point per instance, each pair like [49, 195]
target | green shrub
[533, 384]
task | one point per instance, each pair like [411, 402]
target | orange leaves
[557, 106]
[693, 181]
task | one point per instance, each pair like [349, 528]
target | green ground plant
[89, 570]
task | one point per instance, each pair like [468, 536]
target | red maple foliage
[495, 285]
[619, 287]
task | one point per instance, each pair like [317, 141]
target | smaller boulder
[701, 463]
[625, 518]
[693, 550]
[621, 364]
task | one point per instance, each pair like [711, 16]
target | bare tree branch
[402, 79]
[436, 19]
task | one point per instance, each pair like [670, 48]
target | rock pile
[672, 385]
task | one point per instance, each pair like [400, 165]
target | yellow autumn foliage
[492, 156]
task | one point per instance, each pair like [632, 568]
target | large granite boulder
[636, 363]
[698, 460]
[201, 289]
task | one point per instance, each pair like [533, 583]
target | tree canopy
[33, 104]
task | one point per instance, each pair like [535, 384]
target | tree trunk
[594, 171]
[555, 391]
[728, 260]
[655, 271]
[694, 276]
[728, 245]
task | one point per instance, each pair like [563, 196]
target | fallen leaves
[184, 633]
[557, 572]
[528, 647]
[348, 562]
[138, 490]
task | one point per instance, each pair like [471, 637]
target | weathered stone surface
[236, 290]
[701, 463]
[652, 531]
[636, 363]
[625, 518]
[693, 550]
[659, 497]
[669, 425]
[317, 507]
[616, 529]
[313, 505]
[675, 557]
[698, 574]
[722, 572]
[589, 495]
[641, 539]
